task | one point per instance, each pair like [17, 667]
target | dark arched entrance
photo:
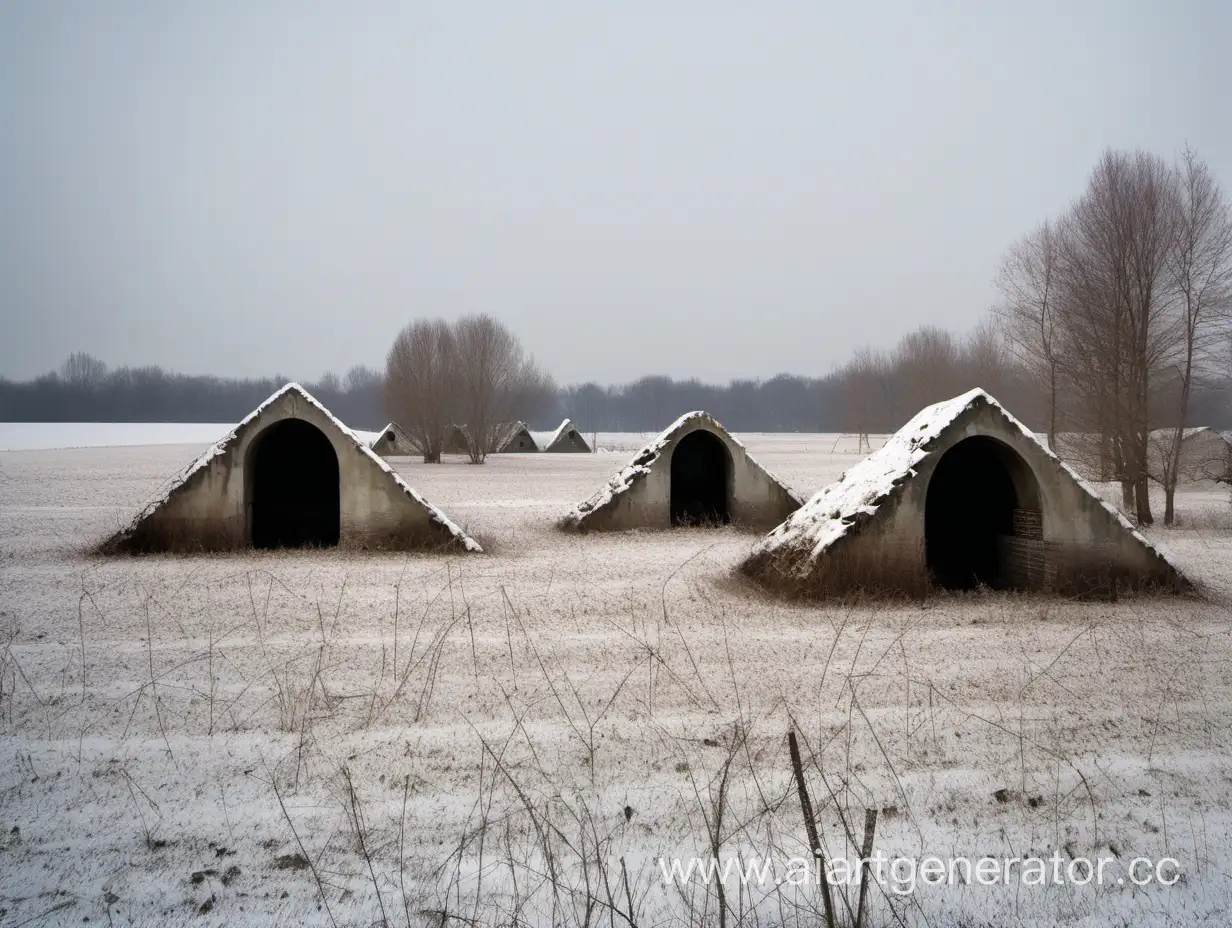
[982, 523]
[293, 487]
[700, 465]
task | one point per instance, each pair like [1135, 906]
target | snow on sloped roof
[566, 437]
[508, 431]
[224, 444]
[560, 430]
[644, 461]
[860, 492]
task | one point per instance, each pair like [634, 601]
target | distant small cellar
[290, 475]
[514, 438]
[392, 441]
[695, 473]
[566, 439]
[961, 497]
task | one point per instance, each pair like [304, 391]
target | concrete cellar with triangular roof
[392, 441]
[693, 473]
[289, 475]
[514, 438]
[566, 439]
[962, 496]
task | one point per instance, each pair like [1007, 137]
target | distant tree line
[85, 390]
[876, 391]
[785, 403]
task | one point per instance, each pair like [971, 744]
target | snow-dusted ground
[502, 718]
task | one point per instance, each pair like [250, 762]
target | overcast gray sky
[704, 189]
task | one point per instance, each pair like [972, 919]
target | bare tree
[985, 357]
[926, 367]
[1028, 282]
[497, 382]
[329, 383]
[1200, 268]
[361, 377]
[83, 370]
[1115, 306]
[862, 386]
[420, 382]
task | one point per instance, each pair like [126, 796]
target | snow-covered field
[518, 737]
[28, 436]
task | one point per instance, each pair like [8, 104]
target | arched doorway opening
[700, 476]
[982, 520]
[293, 490]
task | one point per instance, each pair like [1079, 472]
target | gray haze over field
[698, 189]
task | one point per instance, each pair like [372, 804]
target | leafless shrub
[140, 808]
[304, 856]
[359, 829]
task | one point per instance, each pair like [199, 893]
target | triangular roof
[566, 438]
[393, 440]
[652, 458]
[144, 525]
[514, 436]
[848, 507]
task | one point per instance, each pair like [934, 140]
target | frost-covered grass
[513, 737]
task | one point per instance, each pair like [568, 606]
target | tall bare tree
[1200, 270]
[1028, 282]
[420, 383]
[1115, 306]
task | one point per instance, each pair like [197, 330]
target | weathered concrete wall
[754, 498]
[1081, 537]
[211, 510]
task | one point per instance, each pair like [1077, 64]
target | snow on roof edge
[219, 447]
[864, 488]
[641, 463]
